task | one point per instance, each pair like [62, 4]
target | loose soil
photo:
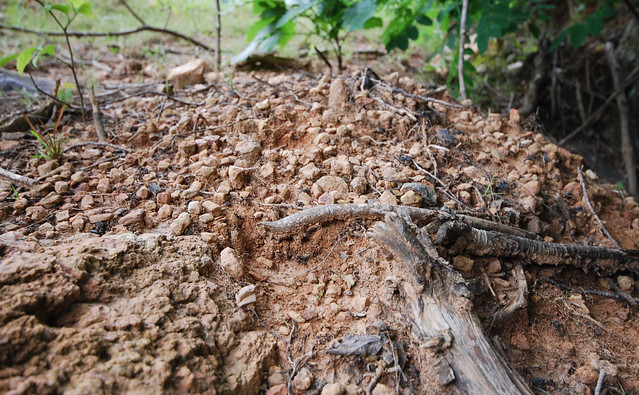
[120, 269]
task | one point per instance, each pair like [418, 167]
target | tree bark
[444, 320]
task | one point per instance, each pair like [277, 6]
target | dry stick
[97, 119]
[99, 144]
[17, 178]
[323, 57]
[218, 35]
[603, 261]
[632, 9]
[381, 85]
[333, 212]
[520, 301]
[595, 115]
[325, 258]
[462, 41]
[143, 28]
[436, 298]
[624, 115]
[592, 210]
[600, 380]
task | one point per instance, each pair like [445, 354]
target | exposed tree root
[336, 212]
[604, 261]
[438, 301]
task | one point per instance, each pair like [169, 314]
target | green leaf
[412, 32]
[65, 94]
[86, 10]
[424, 20]
[8, 59]
[373, 23]
[398, 41]
[595, 23]
[62, 8]
[560, 39]
[468, 66]
[355, 16]
[578, 33]
[24, 58]
[48, 50]
[534, 30]
[257, 27]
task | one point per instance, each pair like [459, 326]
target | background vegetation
[515, 53]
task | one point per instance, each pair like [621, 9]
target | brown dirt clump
[120, 269]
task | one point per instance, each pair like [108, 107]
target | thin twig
[600, 380]
[73, 33]
[462, 42]
[97, 119]
[218, 35]
[332, 212]
[624, 118]
[521, 300]
[99, 144]
[422, 98]
[28, 181]
[323, 57]
[325, 258]
[595, 115]
[592, 210]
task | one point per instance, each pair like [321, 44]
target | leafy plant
[14, 193]
[332, 21]
[57, 11]
[52, 144]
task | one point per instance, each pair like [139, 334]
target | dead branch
[624, 117]
[98, 144]
[218, 35]
[17, 178]
[596, 114]
[439, 302]
[75, 33]
[97, 119]
[592, 209]
[520, 301]
[462, 42]
[335, 212]
[20, 124]
[604, 261]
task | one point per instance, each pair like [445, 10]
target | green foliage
[57, 11]
[331, 20]
[52, 144]
[14, 193]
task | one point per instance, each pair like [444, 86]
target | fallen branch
[74, 33]
[624, 117]
[604, 261]
[20, 124]
[98, 144]
[462, 42]
[334, 212]
[592, 209]
[438, 301]
[595, 115]
[520, 301]
[97, 119]
[17, 178]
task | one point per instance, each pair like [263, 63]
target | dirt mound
[123, 268]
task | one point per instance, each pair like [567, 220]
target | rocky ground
[143, 265]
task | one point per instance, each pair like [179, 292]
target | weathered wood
[603, 261]
[439, 302]
[335, 212]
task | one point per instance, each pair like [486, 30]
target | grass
[193, 18]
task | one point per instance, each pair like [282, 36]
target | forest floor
[121, 268]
